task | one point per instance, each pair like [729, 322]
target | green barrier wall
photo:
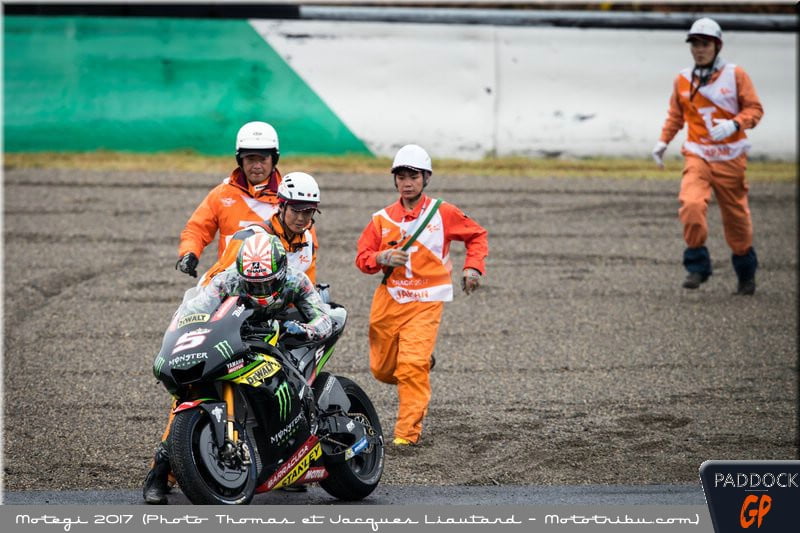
[154, 84]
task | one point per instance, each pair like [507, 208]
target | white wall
[468, 90]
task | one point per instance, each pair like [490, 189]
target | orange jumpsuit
[229, 207]
[301, 250]
[407, 310]
[714, 165]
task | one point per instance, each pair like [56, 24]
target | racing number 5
[189, 340]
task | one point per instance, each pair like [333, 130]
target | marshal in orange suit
[408, 242]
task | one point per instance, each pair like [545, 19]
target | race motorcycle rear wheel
[357, 478]
[203, 474]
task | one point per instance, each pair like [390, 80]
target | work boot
[693, 280]
[746, 288]
[156, 484]
[745, 266]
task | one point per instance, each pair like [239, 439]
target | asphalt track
[580, 372]
[410, 495]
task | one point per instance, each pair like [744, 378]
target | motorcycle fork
[228, 397]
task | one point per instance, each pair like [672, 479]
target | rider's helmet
[257, 138]
[261, 263]
[413, 157]
[705, 27]
[299, 190]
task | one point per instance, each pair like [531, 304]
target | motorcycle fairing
[332, 396]
[197, 351]
[217, 413]
[293, 468]
[265, 368]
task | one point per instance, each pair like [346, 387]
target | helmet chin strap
[702, 73]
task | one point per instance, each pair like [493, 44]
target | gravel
[581, 360]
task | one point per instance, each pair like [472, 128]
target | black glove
[188, 264]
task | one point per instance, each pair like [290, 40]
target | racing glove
[658, 153]
[724, 128]
[471, 280]
[393, 257]
[293, 327]
[188, 264]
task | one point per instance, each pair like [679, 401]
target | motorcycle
[256, 413]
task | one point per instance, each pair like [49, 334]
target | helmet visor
[261, 289]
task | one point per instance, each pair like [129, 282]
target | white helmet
[300, 190]
[257, 137]
[412, 156]
[707, 27]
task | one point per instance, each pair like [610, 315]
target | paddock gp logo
[757, 496]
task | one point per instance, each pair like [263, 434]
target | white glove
[658, 153]
[393, 257]
[724, 128]
[471, 280]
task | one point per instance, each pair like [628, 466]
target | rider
[293, 224]
[248, 195]
[261, 275]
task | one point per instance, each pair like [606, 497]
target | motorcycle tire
[195, 461]
[358, 477]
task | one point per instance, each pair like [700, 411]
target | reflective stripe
[301, 259]
[714, 101]
[439, 293]
[426, 275]
[718, 152]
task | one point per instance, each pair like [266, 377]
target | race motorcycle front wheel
[357, 478]
[205, 474]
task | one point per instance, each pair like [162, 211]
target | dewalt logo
[193, 319]
[269, 367]
[224, 348]
[284, 397]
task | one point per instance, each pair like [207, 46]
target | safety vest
[716, 100]
[426, 275]
[302, 258]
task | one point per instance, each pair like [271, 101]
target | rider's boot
[156, 484]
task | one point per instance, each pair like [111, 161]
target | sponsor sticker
[298, 463]
[187, 360]
[255, 378]
[224, 348]
[193, 319]
[355, 449]
[287, 431]
[315, 473]
[284, 399]
[233, 366]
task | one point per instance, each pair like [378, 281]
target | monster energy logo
[284, 400]
[224, 349]
[157, 366]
